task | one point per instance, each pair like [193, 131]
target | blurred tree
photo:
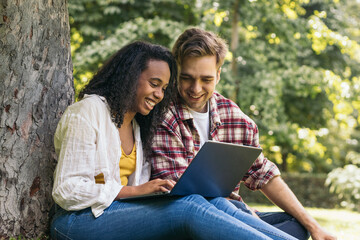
[293, 65]
[296, 62]
[100, 27]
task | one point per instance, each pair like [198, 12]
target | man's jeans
[168, 218]
[280, 220]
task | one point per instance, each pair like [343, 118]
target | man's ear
[218, 75]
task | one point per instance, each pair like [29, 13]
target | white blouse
[87, 143]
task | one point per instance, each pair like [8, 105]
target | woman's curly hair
[117, 81]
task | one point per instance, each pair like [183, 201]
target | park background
[293, 67]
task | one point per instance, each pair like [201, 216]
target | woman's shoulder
[91, 103]
[89, 107]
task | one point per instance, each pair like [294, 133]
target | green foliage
[308, 188]
[345, 182]
[297, 71]
[99, 28]
[298, 78]
[91, 56]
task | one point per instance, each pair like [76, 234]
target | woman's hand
[156, 185]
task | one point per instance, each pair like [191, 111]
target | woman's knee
[223, 204]
[195, 198]
[219, 200]
[193, 205]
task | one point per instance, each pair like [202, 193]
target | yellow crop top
[127, 166]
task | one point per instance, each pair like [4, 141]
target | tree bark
[233, 47]
[36, 87]
[284, 164]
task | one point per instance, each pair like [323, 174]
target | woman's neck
[128, 117]
[126, 133]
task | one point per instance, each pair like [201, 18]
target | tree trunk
[284, 164]
[233, 47]
[36, 86]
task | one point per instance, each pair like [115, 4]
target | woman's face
[151, 86]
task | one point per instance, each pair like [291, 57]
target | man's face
[197, 81]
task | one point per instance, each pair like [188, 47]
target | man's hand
[320, 234]
[280, 194]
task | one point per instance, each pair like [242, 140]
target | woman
[101, 142]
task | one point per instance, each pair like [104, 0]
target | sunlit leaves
[219, 17]
[322, 36]
[297, 64]
[348, 188]
[273, 39]
[76, 40]
[87, 58]
[290, 13]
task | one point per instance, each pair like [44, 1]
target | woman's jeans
[281, 220]
[186, 217]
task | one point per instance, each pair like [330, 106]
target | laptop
[214, 172]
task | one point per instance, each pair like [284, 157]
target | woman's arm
[76, 142]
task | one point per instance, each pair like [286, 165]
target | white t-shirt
[202, 124]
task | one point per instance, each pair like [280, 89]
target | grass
[344, 224]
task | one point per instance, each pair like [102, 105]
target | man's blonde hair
[195, 42]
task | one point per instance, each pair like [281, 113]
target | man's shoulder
[172, 115]
[224, 102]
[229, 110]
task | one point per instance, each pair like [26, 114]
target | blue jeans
[169, 218]
[281, 220]
[286, 223]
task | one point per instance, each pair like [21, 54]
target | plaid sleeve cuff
[258, 177]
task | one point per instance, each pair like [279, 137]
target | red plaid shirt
[177, 141]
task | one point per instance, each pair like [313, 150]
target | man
[200, 114]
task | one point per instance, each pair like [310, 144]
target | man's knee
[286, 223]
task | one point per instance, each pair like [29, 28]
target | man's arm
[281, 195]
